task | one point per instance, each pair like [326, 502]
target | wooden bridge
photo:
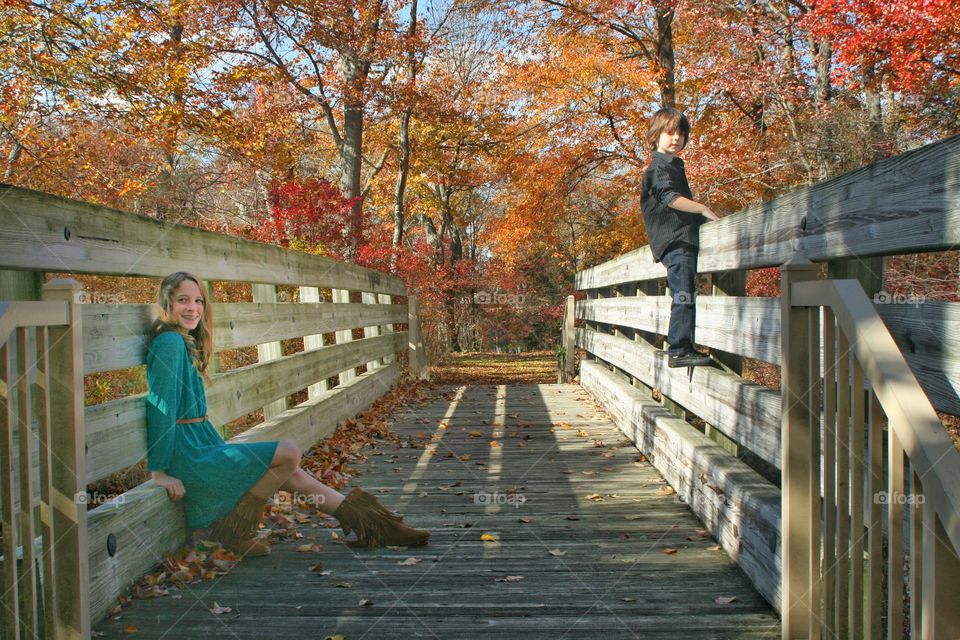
[835, 500]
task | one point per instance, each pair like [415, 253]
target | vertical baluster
[388, 328]
[27, 575]
[344, 335]
[312, 295]
[800, 428]
[371, 331]
[10, 597]
[813, 452]
[917, 553]
[843, 487]
[829, 473]
[857, 473]
[875, 567]
[46, 518]
[895, 526]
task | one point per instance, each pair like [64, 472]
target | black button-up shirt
[664, 180]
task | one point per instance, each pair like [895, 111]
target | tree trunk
[665, 59]
[404, 142]
[351, 152]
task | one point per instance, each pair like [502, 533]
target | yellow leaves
[487, 537]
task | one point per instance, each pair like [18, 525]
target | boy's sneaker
[689, 359]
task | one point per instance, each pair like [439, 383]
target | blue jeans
[681, 264]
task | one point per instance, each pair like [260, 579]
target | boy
[673, 222]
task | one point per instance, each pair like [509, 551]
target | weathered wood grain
[739, 507]
[612, 578]
[745, 412]
[927, 332]
[909, 203]
[43, 232]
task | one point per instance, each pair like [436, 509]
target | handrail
[17, 314]
[911, 415]
[844, 481]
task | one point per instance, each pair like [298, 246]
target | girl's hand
[175, 488]
[709, 214]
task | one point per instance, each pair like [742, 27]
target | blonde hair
[200, 339]
[667, 119]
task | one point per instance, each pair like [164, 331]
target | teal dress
[215, 474]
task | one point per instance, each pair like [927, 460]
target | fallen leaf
[344, 585]
[217, 609]
[494, 443]
[131, 628]
[557, 552]
[573, 516]
[725, 599]
[475, 434]
[488, 538]
[669, 551]
[715, 547]
[524, 520]
[364, 603]
[633, 517]
[508, 579]
[409, 561]
[629, 599]
[596, 497]
[665, 491]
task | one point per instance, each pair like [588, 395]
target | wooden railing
[869, 474]
[729, 470]
[41, 419]
[128, 534]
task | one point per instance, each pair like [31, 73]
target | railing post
[419, 367]
[267, 293]
[568, 340]
[65, 511]
[800, 457]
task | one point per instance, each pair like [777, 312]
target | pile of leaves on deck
[531, 367]
[332, 461]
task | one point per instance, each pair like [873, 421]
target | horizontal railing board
[928, 333]
[739, 508]
[116, 431]
[747, 413]
[745, 326]
[146, 524]
[43, 232]
[116, 336]
[909, 203]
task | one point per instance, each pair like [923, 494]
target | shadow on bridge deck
[574, 514]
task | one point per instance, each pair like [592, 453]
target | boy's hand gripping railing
[45, 594]
[857, 497]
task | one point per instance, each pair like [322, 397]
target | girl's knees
[288, 453]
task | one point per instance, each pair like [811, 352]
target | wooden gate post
[65, 509]
[568, 341]
[800, 459]
[419, 367]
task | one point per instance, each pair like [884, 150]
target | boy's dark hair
[667, 119]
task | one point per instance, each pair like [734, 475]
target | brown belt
[192, 420]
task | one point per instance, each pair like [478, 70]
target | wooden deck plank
[612, 577]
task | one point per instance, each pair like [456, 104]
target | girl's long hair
[200, 339]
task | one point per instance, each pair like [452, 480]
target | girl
[226, 486]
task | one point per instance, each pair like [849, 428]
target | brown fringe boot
[237, 531]
[375, 525]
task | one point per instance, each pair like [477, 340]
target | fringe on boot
[374, 524]
[237, 530]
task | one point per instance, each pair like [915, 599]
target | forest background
[482, 151]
